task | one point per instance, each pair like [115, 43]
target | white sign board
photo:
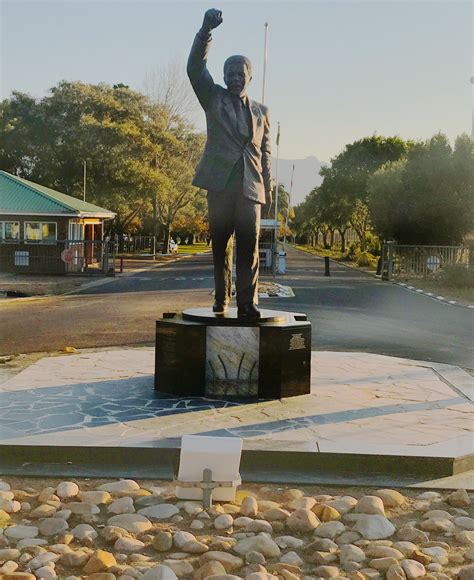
[433, 263]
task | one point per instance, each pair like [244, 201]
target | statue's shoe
[219, 307]
[248, 312]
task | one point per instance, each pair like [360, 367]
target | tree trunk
[342, 233]
[331, 238]
[166, 239]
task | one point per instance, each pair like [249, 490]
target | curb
[256, 465]
[431, 295]
[94, 283]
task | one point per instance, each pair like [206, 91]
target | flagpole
[289, 206]
[276, 228]
[265, 57]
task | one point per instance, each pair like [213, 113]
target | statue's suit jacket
[224, 144]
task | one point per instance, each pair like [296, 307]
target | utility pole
[265, 57]
[84, 179]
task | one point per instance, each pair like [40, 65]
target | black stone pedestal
[201, 354]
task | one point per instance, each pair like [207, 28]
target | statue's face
[237, 78]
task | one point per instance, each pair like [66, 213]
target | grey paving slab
[359, 403]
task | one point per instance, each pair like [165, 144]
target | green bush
[456, 276]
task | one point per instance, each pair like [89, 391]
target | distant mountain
[305, 179]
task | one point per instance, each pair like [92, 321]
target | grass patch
[365, 261]
[452, 282]
[193, 248]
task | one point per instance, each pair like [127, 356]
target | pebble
[134, 523]
[53, 526]
[302, 520]
[261, 543]
[438, 524]
[19, 532]
[374, 527]
[229, 561]
[67, 489]
[83, 532]
[288, 542]
[459, 498]
[466, 573]
[351, 553]
[413, 569]
[465, 523]
[330, 529]
[123, 505]
[223, 522]
[259, 526]
[249, 507]
[162, 511]
[128, 545]
[160, 572]
[122, 486]
[163, 541]
[370, 504]
[390, 497]
[327, 571]
[466, 538]
[95, 497]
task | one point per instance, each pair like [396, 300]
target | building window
[45, 232]
[9, 231]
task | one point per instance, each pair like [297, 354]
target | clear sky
[337, 71]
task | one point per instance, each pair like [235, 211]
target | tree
[429, 198]
[133, 154]
[343, 192]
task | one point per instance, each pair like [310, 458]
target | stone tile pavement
[359, 403]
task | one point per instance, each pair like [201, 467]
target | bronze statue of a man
[235, 169]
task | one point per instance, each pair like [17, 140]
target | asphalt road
[350, 311]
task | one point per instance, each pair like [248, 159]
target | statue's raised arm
[200, 77]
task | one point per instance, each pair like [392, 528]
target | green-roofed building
[37, 223]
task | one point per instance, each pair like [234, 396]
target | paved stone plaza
[359, 403]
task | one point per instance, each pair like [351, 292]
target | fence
[89, 257]
[136, 245]
[400, 261]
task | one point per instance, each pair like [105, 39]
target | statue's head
[237, 74]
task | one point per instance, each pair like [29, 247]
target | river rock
[330, 530]
[383, 563]
[395, 572]
[42, 511]
[123, 505]
[42, 560]
[466, 538]
[288, 542]
[229, 561]
[374, 527]
[162, 511]
[437, 554]
[276, 514]
[134, 523]
[74, 559]
[20, 532]
[249, 507]
[466, 573]
[259, 526]
[163, 541]
[343, 504]
[437, 524]
[67, 489]
[261, 543]
[327, 572]
[302, 520]
[84, 532]
[223, 522]
[95, 497]
[291, 558]
[53, 526]
[46, 573]
[370, 504]
[122, 486]
[459, 498]
[160, 572]
[211, 568]
[100, 561]
[302, 503]
[413, 569]
[179, 567]
[465, 523]
[351, 553]
[128, 545]
[390, 497]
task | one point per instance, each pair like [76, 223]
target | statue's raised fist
[212, 19]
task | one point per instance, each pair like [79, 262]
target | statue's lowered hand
[212, 19]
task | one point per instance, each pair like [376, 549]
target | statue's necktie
[242, 121]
